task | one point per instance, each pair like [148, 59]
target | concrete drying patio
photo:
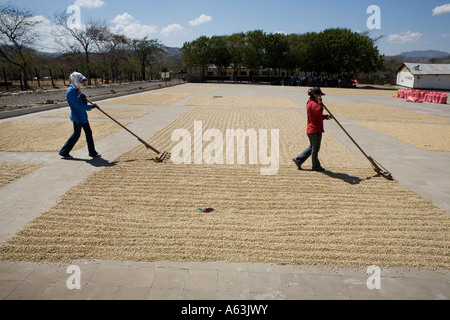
[425, 172]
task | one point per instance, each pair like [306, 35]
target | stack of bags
[422, 96]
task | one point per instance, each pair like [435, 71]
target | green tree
[338, 52]
[308, 45]
[130, 67]
[236, 44]
[345, 53]
[254, 53]
[219, 54]
[147, 51]
[196, 52]
[276, 49]
[294, 54]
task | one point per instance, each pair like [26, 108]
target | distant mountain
[172, 51]
[424, 55]
[48, 54]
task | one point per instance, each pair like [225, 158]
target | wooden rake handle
[140, 140]
[378, 168]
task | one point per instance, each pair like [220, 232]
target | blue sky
[405, 25]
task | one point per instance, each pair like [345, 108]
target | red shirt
[314, 110]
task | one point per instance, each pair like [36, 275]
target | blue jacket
[78, 109]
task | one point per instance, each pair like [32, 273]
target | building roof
[428, 68]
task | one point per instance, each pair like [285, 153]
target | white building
[424, 76]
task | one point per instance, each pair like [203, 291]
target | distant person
[314, 129]
[78, 115]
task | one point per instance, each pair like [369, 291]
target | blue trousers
[315, 140]
[68, 146]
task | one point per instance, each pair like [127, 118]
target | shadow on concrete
[95, 162]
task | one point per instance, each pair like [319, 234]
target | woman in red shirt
[314, 129]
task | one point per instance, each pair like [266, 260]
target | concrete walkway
[427, 173]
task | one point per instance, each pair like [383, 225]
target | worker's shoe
[318, 169]
[97, 155]
[65, 156]
[298, 164]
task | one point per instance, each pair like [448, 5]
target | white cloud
[123, 19]
[405, 37]
[127, 25]
[40, 19]
[46, 41]
[50, 36]
[89, 3]
[202, 19]
[445, 8]
[43, 28]
[172, 29]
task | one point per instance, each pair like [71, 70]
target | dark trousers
[75, 136]
[315, 140]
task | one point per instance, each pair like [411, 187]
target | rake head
[384, 173]
[162, 156]
[380, 170]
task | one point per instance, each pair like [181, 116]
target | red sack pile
[418, 96]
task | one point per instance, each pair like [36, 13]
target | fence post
[51, 76]
[37, 76]
[64, 77]
[6, 79]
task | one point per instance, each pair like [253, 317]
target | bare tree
[83, 37]
[17, 34]
[112, 48]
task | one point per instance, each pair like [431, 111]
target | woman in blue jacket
[78, 115]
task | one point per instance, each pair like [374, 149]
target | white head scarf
[76, 78]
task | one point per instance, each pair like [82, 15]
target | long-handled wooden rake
[376, 166]
[160, 155]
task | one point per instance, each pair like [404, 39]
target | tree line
[337, 52]
[92, 49]
[98, 52]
